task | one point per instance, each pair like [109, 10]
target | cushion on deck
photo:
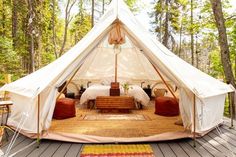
[65, 108]
[166, 106]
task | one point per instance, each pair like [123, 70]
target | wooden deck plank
[217, 145]
[26, 151]
[62, 150]
[19, 139]
[38, 151]
[227, 126]
[21, 145]
[223, 142]
[166, 150]
[210, 145]
[74, 150]
[225, 137]
[156, 150]
[178, 150]
[51, 149]
[6, 142]
[210, 148]
[229, 133]
[227, 122]
[201, 149]
[189, 149]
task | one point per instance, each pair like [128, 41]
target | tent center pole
[116, 67]
[38, 132]
[194, 121]
[230, 97]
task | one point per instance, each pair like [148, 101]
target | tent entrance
[136, 124]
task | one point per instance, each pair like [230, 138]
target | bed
[102, 90]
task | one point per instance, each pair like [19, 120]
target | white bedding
[100, 90]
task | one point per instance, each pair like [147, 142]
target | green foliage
[216, 65]
[80, 26]
[227, 108]
[167, 18]
[9, 59]
[132, 5]
[233, 47]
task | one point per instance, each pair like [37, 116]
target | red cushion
[166, 106]
[65, 108]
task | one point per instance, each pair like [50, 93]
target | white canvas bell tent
[36, 93]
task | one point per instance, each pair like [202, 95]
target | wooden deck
[211, 145]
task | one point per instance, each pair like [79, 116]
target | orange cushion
[65, 108]
[166, 106]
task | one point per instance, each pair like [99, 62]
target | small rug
[117, 150]
[115, 117]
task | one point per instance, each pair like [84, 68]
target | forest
[33, 33]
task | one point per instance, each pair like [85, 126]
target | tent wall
[83, 50]
[185, 105]
[46, 80]
[210, 93]
[23, 113]
[210, 112]
[179, 71]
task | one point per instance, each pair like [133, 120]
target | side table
[5, 108]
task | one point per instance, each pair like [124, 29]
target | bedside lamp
[88, 83]
[142, 84]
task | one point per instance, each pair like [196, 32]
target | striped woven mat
[117, 150]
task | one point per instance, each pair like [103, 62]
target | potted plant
[126, 87]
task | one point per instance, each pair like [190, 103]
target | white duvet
[100, 90]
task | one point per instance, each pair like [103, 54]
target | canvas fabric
[136, 60]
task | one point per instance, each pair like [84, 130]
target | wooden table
[5, 108]
[124, 103]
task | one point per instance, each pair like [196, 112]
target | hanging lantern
[116, 35]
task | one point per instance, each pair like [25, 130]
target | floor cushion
[166, 106]
[65, 108]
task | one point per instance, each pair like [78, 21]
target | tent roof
[132, 63]
[177, 70]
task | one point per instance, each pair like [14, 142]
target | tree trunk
[92, 16]
[3, 33]
[160, 21]
[191, 32]
[103, 6]
[235, 66]
[81, 12]
[166, 31]
[223, 42]
[39, 50]
[65, 38]
[224, 47]
[53, 29]
[197, 54]
[180, 38]
[68, 19]
[31, 34]
[14, 22]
